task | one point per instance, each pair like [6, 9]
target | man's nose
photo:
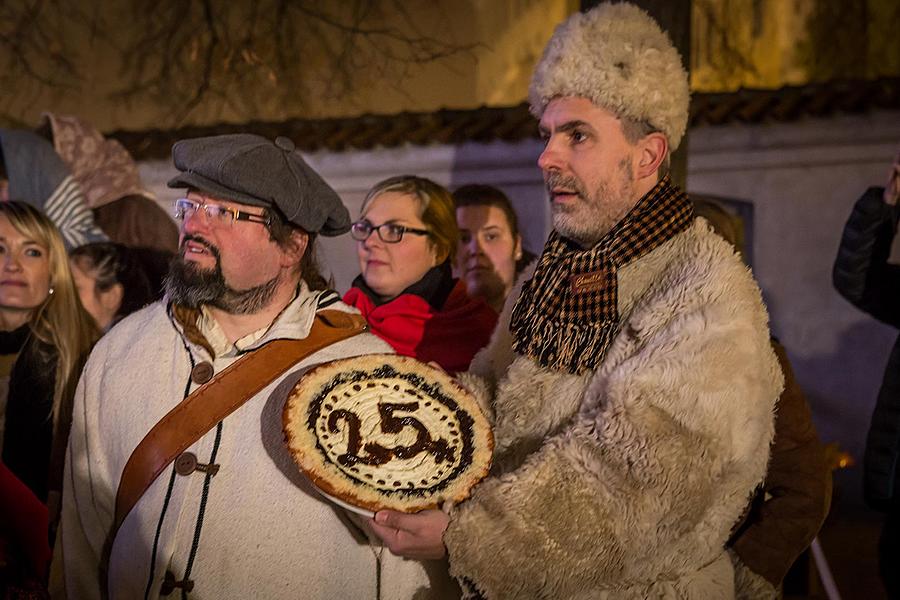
[550, 159]
[195, 221]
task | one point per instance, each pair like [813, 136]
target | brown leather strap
[218, 398]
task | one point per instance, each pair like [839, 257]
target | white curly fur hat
[616, 56]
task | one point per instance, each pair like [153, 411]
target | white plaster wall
[802, 179]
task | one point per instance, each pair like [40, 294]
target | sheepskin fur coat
[626, 482]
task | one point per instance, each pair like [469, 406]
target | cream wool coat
[625, 482]
[266, 532]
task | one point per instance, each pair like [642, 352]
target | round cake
[383, 431]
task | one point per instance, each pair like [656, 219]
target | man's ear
[294, 251]
[652, 151]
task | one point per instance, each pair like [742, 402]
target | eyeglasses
[216, 213]
[390, 233]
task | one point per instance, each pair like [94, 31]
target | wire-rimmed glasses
[215, 213]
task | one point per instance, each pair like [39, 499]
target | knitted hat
[616, 56]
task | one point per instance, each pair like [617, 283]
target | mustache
[201, 241]
[556, 179]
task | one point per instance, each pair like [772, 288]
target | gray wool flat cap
[252, 170]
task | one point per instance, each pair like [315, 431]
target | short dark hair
[281, 231]
[113, 263]
[477, 194]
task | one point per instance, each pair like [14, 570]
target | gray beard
[588, 223]
[191, 287]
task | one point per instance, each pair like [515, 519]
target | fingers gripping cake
[386, 431]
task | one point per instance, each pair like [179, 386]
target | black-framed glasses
[390, 233]
[216, 213]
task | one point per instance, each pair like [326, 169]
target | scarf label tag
[584, 283]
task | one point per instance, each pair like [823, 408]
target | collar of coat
[294, 322]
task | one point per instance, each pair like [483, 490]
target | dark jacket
[863, 276]
[28, 435]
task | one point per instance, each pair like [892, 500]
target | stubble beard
[594, 215]
[188, 285]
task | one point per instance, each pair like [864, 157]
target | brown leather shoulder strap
[218, 398]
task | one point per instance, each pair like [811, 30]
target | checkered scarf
[567, 314]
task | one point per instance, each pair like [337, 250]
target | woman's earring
[51, 291]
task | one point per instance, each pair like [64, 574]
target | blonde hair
[60, 321]
[436, 209]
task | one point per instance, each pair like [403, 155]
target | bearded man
[631, 381]
[230, 517]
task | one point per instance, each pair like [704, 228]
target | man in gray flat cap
[222, 513]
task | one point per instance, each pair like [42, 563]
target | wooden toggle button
[186, 463]
[202, 372]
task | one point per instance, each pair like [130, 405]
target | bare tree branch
[725, 56]
[218, 55]
[275, 51]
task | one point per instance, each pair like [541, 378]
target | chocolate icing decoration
[370, 453]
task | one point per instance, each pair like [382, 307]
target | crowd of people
[650, 437]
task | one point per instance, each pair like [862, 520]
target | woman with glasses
[405, 238]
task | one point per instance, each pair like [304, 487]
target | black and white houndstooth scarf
[567, 314]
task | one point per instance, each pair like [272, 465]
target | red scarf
[450, 336]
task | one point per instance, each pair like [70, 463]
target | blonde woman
[405, 238]
[45, 336]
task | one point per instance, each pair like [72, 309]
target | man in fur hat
[632, 382]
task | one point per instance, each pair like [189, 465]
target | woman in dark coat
[45, 336]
